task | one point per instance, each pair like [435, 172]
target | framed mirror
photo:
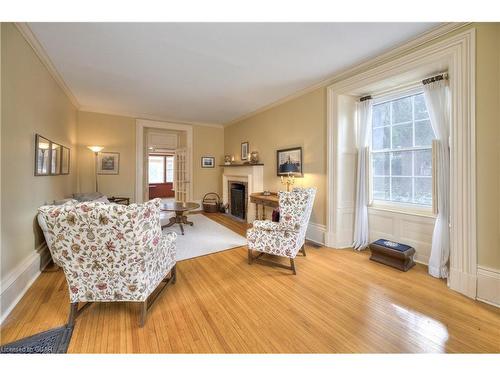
[42, 156]
[55, 159]
[65, 160]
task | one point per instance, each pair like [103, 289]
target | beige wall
[32, 102]
[117, 134]
[301, 122]
[488, 143]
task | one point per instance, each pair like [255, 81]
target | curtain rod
[437, 77]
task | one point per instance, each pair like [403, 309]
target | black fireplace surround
[237, 202]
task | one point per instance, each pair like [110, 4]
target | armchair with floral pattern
[286, 237]
[110, 252]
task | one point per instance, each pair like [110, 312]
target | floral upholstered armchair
[286, 237]
[110, 252]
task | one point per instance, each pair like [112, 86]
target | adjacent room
[175, 187]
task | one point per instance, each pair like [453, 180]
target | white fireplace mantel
[253, 175]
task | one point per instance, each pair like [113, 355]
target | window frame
[165, 168]
[393, 206]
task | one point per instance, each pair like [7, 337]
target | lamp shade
[95, 148]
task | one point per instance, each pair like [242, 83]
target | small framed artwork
[42, 156]
[65, 160]
[108, 163]
[244, 150]
[289, 162]
[55, 159]
[208, 162]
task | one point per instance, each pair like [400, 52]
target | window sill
[404, 210]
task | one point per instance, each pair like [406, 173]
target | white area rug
[204, 237]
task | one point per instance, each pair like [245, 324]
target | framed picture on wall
[208, 162]
[108, 163]
[55, 159]
[42, 156]
[289, 162]
[65, 160]
[244, 151]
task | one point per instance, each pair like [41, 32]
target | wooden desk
[265, 201]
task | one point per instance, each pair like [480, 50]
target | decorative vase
[254, 157]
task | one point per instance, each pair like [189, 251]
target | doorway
[161, 175]
[163, 149]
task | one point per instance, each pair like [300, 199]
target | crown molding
[145, 116]
[28, 35]
[407, 46]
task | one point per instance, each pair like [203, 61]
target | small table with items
[265, 200]
[180, 208]
[119, 200]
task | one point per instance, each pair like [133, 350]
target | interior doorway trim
[458, 53]
[141, 124]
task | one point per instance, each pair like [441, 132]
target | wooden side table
[119, 200]
[265, 201]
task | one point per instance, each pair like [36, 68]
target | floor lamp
[95, 150]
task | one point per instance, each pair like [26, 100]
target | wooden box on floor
[392, 254]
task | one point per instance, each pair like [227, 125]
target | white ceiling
[206, 72]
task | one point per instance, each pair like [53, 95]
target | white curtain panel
[437, 100]
[362, 142]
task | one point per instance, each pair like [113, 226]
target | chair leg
[250, 259]
[303, 249]
[292, 266]
[73, 309]
[144, 312]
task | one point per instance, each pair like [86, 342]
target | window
[401, 151]
[161, 169]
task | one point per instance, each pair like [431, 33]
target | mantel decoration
[254, 157]
[51, 158]
[289, 162]
[244, 151]
[228, 159]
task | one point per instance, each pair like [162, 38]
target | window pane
[381, 138]
[381, 115]
[402, 136]
[420, 108]
[401, 110]
[381, 164]
[170, 169]
[401, 163]
[381, 188]
[423, 163]
[401, 189]
[423, 190]
[156, 169]
[423, 133]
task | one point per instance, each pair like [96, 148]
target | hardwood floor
[339, 301]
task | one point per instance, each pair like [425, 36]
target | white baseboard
[316, 233]
[17, 281]
[488, 285]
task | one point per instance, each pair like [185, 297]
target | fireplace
[238, 199]
[251, 177]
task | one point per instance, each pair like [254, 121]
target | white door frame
[458, 52]
[139, 150]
